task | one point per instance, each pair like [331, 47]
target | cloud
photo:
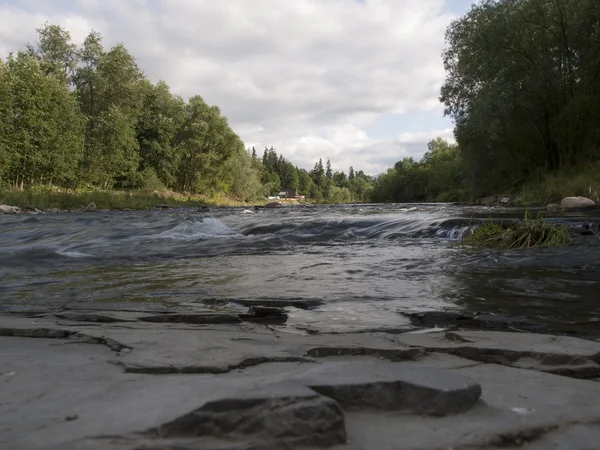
[306, 76]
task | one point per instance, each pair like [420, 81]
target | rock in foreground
[132, 380]
[576, 202]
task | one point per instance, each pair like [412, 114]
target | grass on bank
[527, 233]
[72, 200]
[551, 188]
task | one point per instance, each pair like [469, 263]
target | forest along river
[348, 268]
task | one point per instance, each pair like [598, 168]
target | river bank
[63, 201]
[191, 378]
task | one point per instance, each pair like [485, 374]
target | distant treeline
[321, 184]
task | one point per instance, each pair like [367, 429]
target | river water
[346, 268]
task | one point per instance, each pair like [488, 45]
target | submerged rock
[577, 202]
[273, 205]
[6, 209]
[265, 314]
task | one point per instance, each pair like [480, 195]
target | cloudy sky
[354, 81]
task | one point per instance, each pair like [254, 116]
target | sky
[353, 81]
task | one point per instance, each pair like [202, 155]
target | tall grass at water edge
[48, 198]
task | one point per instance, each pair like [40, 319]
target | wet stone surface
[198, 380]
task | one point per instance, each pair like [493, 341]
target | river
[345, 268]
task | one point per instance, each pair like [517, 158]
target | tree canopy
[523, 87]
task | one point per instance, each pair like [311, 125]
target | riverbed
[344, 268]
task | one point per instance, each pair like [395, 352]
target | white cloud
[305, 76]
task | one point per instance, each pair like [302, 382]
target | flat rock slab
[300, 303]
[516, 405]
[560, 355]
[118, 385]
[394, 387]
[163, 348]
[576, 437]
[193, 318]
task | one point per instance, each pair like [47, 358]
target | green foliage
[552, 187]
[524, 234]
[437, 177]
[86, 118]
[42, 136]
[522, 87]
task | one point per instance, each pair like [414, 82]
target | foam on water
[207, 228]
[73, 254]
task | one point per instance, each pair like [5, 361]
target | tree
[328, 172]
[44, 140]
[7, 154]
[205, 142]
[56, 51]
[351, 173]
[522, 88]
[161, 116]
[288, 175]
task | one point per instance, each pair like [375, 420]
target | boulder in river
[577, 202]
[273, 205]
[504, 200]
[6, 209]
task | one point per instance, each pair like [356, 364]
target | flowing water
[347, 268]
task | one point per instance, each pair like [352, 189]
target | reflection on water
[366, 262]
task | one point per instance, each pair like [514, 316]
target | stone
[197, 318]
[6, 209]
[486, 201]
[391, 354]
[265, 314]
[89, 317]
[576, 202]
[560, 355]
[504, 200]
[394, 387]
[300, 303]
[273, 205]
[162, 206]
[514, 403]
[574, 437]
[287, 412]
[204, 209]
[250, 387]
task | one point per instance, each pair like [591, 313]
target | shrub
[515, 235]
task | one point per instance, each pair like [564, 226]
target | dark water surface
[365, 263]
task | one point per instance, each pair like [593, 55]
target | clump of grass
[527, 233]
